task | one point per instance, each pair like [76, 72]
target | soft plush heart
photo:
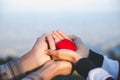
[66, 44]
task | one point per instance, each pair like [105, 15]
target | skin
[54, 68]
[36, 56]
[45, 46]
[65, 54]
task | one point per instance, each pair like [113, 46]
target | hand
[59, 35]
[36, 56]
[69, 55]
[81, 48]
[52, 69]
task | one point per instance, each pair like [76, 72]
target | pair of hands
[65, 54]
[45, 47]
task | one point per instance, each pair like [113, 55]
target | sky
[97, 22]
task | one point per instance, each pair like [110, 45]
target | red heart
[66, 44]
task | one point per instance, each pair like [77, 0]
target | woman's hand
[81, 48]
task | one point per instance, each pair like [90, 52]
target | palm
[39, 50]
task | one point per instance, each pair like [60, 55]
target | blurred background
[97, 22]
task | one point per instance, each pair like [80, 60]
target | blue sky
[97, 22]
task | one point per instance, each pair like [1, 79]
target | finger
[51, 42]
[43, 37]
[58, 35]
[63, 34]
[54, 58]
[56, 38]
[52, 53]
[63, 54]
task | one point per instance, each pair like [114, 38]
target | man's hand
[51, 69]
[36, 56]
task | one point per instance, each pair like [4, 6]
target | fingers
[59, 35]
[56, 38]
[52, 53]
[48, 37]
[63, 54]
[42, 38]
[63, 35]
[51, 42]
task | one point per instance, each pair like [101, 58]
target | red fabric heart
[66, 44]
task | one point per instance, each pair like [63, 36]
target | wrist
[83, 66]
[77, 57]
[28, 63]
[96, 58]
[11, 67]
[49, 72]
[64, 68]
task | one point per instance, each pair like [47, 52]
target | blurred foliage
[5, 60]
[114, 53]
[69, 77]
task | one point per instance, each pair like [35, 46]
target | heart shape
[66, 44]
